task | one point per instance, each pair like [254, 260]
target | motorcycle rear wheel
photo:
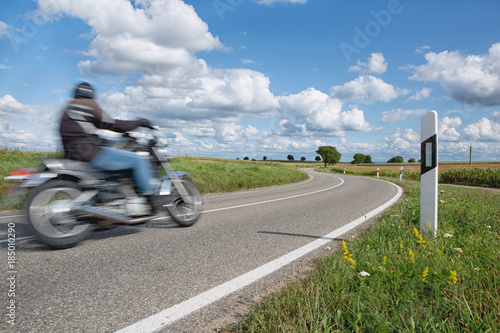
[183, 213]
[50, 216]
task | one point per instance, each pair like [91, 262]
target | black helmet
[84, 90]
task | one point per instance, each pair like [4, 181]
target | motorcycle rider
[79, 123]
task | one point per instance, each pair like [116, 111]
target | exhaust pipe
[115, 218]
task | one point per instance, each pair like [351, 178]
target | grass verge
[416, 282]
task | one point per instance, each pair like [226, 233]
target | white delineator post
[429, 173]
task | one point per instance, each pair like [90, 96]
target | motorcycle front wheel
[186, 213]
[50, 216]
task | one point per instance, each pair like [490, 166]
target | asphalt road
[160, 276]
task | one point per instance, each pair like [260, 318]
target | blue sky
[236, 78]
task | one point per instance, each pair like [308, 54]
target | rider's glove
[146, 123]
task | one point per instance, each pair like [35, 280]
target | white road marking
[274, 200]
[178, 311]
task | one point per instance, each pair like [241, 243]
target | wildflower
[401, 246]
[488, 227]
[459, 250]
[447, 235]
[384, 260]
[452, 279]
[420, 240]
[424, 273]
[412, 256]
[363, 274]
[347, 255]
[441, 201]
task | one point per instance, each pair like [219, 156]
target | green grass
[417, 283]
[220, 175]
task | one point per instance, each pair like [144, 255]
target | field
[416, 166]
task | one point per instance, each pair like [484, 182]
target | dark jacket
[80, 120]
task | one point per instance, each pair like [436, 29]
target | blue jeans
[110, 159]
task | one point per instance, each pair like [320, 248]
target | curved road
[162, 277]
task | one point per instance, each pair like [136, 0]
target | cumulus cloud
[17, 122]
[447, 131]
[483, 130]
[131, 39]
[422, 94]
[399, 114]
[376, 65]
[367, 89]
[320, 112]
[403, 142]
[472, 79]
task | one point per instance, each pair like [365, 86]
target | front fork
[175, 179]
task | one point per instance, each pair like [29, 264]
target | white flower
[441, 201]
[459, 250]
[447, 235]
[488, 227]
[364, 274]
[476, 268]
[328, 248]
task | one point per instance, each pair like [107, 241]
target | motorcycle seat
[80, 166]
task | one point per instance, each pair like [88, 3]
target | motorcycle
[70, 199]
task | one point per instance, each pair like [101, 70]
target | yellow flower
[347, 255]
[420, 240]
[401, 246]
[412, 256]
[424, 273]
[384, 260]
[452, 279]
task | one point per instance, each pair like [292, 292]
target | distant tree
[411, 160]
[358, 159]
[290, 157]
[264, 158]
[368, 159]
[329, 154]
[318, 158]
[246, 158]
[238, 158]
[302, 159]
[396, 159]
[253, 159]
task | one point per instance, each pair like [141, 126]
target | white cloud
[27, 126]
[496, 116]
[483, 130]
[399, 114]
[447, 131]
[367, 89]
[472, 79]
[319, 112]
[376, 65]
[162, 33]
[422, 49]
[422, 94]
[3, 29]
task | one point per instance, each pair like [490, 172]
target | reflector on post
[429, 172]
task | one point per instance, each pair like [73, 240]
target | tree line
[330, 155]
